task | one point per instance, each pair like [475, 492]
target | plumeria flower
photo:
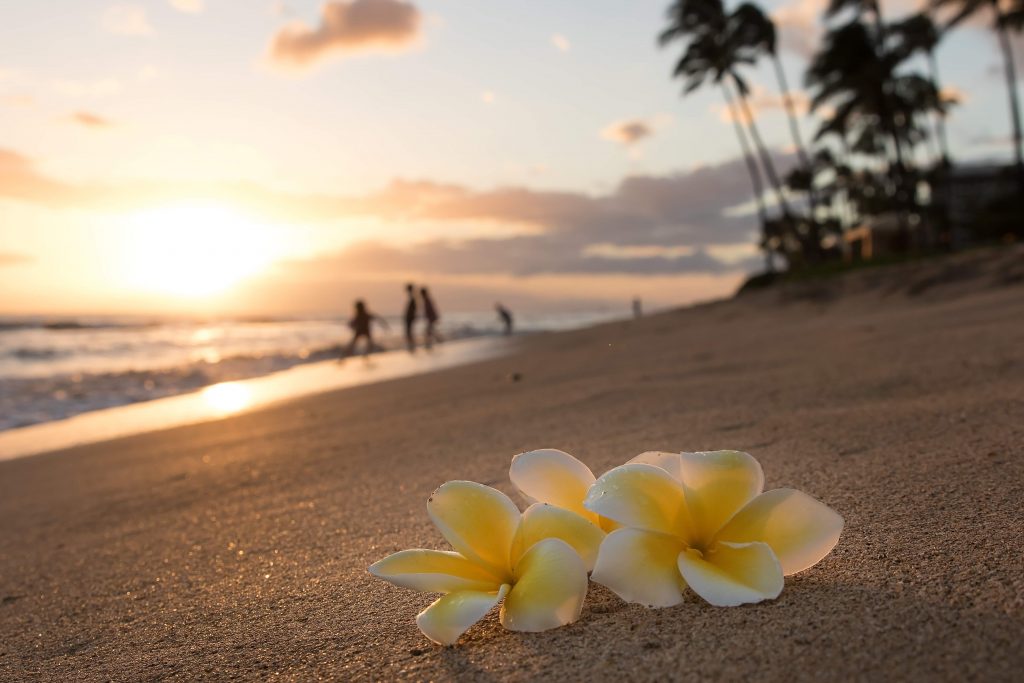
[530, 561]
[557, 478]
[701, 520]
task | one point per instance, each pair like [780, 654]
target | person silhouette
[506, 317]
[410, 317]
[432, 316]
[361, 328]
[638, 307]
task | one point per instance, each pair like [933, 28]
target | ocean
[56, 368]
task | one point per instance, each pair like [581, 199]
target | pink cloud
[348, 26]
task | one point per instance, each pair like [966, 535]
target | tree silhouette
[1013, 18]
[918, 33]
[716, 45]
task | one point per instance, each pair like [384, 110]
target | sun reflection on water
[227, 398]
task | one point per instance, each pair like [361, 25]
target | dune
[239, 548]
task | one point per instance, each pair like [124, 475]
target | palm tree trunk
[940, 116]
[1011, 84]
[787, 101]
[883, 105]
[766, 159]
[794, 129]
[755, 176]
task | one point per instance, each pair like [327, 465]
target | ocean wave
[26, 401]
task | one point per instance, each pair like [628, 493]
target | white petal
[733, 573]
[718, 484]
[542, 521]
[553, 476]
[670, 462]
[479, 522]
[800, 530]
[641, 566]
[449, 616]
[642, 497]
[434, 571]
[551, 583]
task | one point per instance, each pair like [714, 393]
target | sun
[195, 250]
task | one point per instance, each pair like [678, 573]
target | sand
[238, 549]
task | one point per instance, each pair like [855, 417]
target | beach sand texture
[239, 548]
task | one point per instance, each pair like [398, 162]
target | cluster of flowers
[646, 530]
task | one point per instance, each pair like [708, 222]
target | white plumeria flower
[530, 561]
[557, 478]
[700, 519]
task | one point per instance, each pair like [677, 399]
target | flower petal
[434, 571]
[479, 522]
[449, 616]
[799, 529]
[641, 566]
[553, 476]
[551, 583]
[542, 521]
[733, 574]
[642, 497]
[718, 484]
[670, 462]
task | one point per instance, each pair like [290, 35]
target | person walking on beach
[432, 316]
[506, 317]
[410, 317]
[361, 323]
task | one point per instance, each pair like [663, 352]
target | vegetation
[880, 146]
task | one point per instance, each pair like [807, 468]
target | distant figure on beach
[638, 308]
[432, 316]
[410, 317]
[506, 317]
[360, 323]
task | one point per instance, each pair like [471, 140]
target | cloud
[10, 258]
[20, 180]
[627, 132]
[17, 100]
[348, 26]
[97, 88]
[126, 20]
[761, 100]
[188, 6]
[488, 97]
[653, 224]
[560, 42]
[89, 120]
[951, 94]
[800, 25]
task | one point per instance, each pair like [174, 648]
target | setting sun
[196, 249]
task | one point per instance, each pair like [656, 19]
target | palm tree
[712, 54]
[1003, 22]
[759, 30]
[918, 33]
[850, 74]
[875, 44]
[716, 48]
[753, 28]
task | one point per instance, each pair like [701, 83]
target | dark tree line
[880, 147]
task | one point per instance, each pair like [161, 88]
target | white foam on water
[224, 399]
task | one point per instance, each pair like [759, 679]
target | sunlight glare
[195, 250]
[227, 398]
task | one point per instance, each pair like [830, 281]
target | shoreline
[226, 399]
[239, 548]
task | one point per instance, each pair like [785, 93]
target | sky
[230, 156]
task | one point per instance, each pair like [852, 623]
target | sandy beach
[238, 549]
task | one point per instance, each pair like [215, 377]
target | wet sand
[238, 548]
